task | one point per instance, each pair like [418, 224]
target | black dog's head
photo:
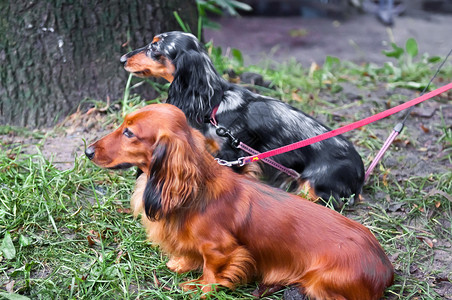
[180, 58]
[158, 58]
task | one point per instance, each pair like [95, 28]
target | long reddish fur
[236, 229]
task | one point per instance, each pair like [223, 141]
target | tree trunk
[56, 53]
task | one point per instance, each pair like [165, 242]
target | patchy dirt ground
[361, 38]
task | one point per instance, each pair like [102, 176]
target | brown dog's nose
[89, 152]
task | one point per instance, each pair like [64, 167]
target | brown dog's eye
[128, 133]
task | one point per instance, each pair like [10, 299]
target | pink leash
[346, 128]
[236, 143]
[399, 127]
[396, 131]
[255, 155]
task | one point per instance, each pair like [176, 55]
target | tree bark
[56, 53]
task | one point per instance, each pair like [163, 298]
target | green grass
[73, 236]
[69, 234]
[411, 225]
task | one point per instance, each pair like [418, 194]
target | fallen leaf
[336, 23]
[426, 240]
[395, 207]
[425, 129]
[97, 234]
[7, 247]
[441, 279]
[13, 296]
[91, 110]
[394, 256]
[413, 269]
[421, 209]
[156, 281]
[10, 286]
[423, 112]
[91, 240]
[313, 68]
[24, 241]
[301, 32]
[403, 141]
[123, 210]
[438, 192]
[118, 257]
[296, 97]
[107, 106]
[385, 179]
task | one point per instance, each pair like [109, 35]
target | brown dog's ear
[173, 178]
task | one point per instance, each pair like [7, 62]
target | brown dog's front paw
[191, 285]
[197, 285]
[181, 265]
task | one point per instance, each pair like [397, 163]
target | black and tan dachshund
[328, 168]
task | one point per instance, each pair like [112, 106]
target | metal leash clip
[239, 162]
[223, 132]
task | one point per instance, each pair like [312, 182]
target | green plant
[218, 7]
[408, 72]
[405, 68]
[231, 7]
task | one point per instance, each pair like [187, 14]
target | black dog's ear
[195, 83]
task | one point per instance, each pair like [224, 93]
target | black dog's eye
[156, 55]
[128, 133]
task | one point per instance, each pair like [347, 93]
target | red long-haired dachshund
[329, 168]
[232, 227]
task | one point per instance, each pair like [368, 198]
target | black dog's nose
[89, 152]
[126, 56]
[123, 58]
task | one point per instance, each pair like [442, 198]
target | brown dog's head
[134, 141]
[158, 140]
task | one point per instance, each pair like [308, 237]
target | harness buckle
[239, 162]
[223, 132]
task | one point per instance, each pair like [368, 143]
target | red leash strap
[348, 127]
